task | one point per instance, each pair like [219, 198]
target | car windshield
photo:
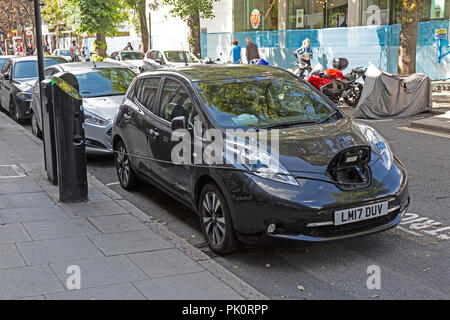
[64, 52]
[180, 56]
[104, 82]
[29, 69]
[130, 55]
[262, 102]
[2, 62]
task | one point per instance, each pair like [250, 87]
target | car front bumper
[98, 139]
[306, 212]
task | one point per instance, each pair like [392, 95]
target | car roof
[208, 72]
[7, 56]
[87, 66]
[120, 51]
[34, 58]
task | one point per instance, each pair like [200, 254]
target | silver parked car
[102, 86]
[130, 59]
[157, 59]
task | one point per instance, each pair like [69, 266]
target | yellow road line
[431, 133]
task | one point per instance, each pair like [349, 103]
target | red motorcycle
[335, 85]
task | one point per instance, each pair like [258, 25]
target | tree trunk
[194, 34]
[99, 50]
[144, 30]
[408, 37]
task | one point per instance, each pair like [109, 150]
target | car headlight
[92, 118]
[24, 95]
[261, 164]
[379, 143]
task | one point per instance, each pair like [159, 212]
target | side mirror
[6, 76]
[178, 123]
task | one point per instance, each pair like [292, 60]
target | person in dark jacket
[251, 51]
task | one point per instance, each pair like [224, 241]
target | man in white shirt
[75, 51]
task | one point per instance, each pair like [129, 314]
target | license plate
[361, 213]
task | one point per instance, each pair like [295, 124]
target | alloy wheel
[123, 165]
[35, 126]
[213, 218]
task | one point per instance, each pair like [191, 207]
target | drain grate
[203, 247]
[11, 171]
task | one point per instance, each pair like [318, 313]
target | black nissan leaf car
[17, 78]
[317, 176]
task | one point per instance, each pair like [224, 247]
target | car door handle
[153, 133]
[126, 116]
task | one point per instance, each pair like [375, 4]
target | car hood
[25, 84]
[310, 149]
[105, 107]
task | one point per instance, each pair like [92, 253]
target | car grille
[331, 231]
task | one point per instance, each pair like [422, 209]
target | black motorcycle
[302, 68]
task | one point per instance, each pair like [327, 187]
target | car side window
[48, 73]
[175, 101]
[148, 91]
[159, 56]
[7, 68]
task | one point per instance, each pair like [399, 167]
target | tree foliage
[184, 9]
[95, 16]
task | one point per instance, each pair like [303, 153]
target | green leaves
[186, 8]
[95, 16]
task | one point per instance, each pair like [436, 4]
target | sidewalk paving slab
[64, 228]
[13, 233]
[164, 263]
[192, 286]
[129, 242]
[439, 123]
[16, 215]
[47, 251]
[124, 291]
[10, 257]
[27, 282]
[117, 223]
[102, 271]
[118, 247]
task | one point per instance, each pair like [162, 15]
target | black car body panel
[301, 212]
[16, 92]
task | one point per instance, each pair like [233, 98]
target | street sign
[440, 34]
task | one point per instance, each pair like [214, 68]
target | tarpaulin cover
[388, 95]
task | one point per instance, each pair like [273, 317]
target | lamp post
[40, 56]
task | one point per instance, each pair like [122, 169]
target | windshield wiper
[286, 124]
[328, 117]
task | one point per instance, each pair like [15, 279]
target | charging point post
[70, 138]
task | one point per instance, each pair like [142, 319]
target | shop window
[429, 10]
[305, 14]
[375, 12]
[255, 15]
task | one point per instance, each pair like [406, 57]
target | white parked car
[130, 59]
[156, 59]
[103, 86]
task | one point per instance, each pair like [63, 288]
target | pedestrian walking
[20, 49]
[86, 54]
[75, 51]
[304, 53]
[129, 47]
[235, 53]
[30, 50]
[251, 51]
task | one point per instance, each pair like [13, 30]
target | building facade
[364, 31]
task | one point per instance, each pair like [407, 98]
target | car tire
[13, 111]
[215, 221]
[125, 173]
[35, 126]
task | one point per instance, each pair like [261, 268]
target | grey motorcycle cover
[388, 95]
